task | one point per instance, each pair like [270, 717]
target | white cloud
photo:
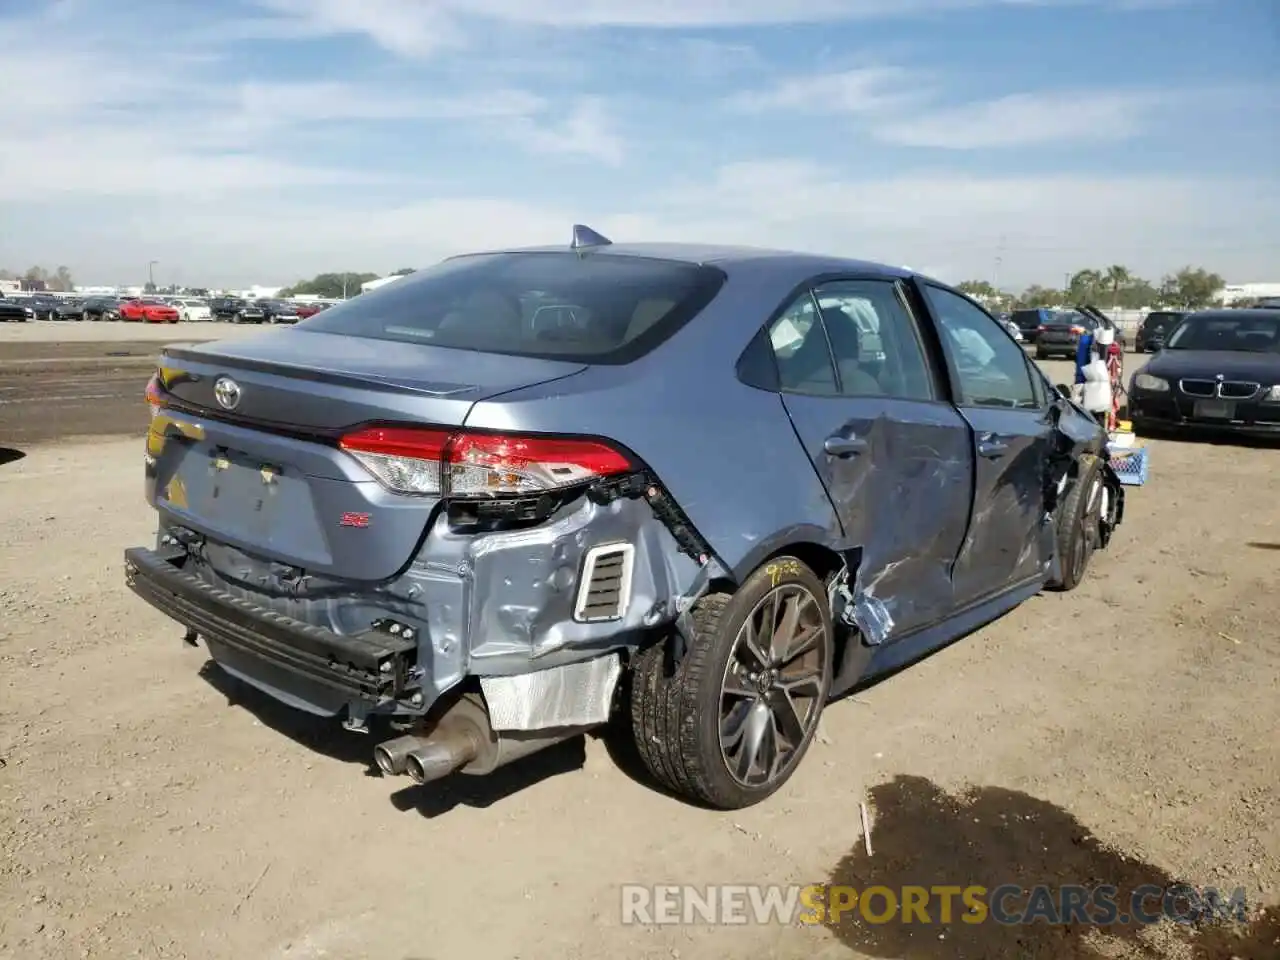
[909, 108]
[864, 91]
[587, 131]
[1021, 119]
[422, 28]
[950, 224]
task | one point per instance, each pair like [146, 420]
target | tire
[676, 711]
[1041, 355]
[235, 318]
[1079, 517]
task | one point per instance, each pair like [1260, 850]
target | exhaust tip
[413, 767]
[386, 763]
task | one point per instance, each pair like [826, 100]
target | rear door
[867, 404]
[1010, 537]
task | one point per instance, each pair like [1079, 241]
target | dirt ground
[150, 807]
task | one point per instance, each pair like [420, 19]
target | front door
[1010, 537]
[894, 458]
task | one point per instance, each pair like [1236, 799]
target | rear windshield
[1161, 320]
[1238, 333]
[597, 308]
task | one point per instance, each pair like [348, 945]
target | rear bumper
[1065, 347]
[308, 666]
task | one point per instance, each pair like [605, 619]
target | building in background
[380, 282]
[1236, 292]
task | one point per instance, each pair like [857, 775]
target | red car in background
[148, 311]
[305, 310]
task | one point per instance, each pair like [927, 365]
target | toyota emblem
[227, 392]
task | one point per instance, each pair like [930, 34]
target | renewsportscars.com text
[1007, 904]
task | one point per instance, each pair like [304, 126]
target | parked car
[308, 309]
[278, 311]
[67, 309]
[11, 311]
[100, 308]
[1154, 328]
[483, 499]
[1060, 335]
[235, 310]
[1029, 321]
[148, 310]
[42, 307]
[1219, 370]
[192, 311]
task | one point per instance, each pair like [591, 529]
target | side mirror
[1063, 390]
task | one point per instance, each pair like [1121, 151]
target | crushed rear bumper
[305, 665]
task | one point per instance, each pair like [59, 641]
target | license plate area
[1214, 410]
[244, 491]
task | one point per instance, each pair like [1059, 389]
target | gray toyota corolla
[501, 500]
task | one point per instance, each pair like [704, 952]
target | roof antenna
[584, 236]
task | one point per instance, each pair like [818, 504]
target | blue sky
[261, 141]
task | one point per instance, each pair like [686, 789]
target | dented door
[1010, 538]
[898, 474]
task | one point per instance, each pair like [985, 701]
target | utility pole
[995, 280]
[151, 275]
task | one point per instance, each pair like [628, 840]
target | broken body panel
[408, 597]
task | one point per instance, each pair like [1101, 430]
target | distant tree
[402, 272]
[978, 289]
[1191, 288]
[62, 280]
[1038, 296]
[1084, 286]
[1116, 277]
[8, 275]
[331, 286]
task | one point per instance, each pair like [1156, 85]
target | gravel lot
[150, 807]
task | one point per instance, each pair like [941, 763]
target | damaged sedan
[701, 490]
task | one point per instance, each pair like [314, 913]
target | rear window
[597, 308]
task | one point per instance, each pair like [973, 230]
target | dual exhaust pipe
[428, 758]
[463, 741]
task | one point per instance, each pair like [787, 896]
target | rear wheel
[728, 725]
[1080, 523]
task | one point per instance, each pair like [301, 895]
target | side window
[874, 340]
[801, 349]
[991, 368]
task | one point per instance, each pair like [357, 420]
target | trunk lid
[266, 476]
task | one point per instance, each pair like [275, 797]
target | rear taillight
[1041, 329]
[431, 461]
[1077, 330]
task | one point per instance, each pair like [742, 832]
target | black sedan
[1154, 328]
[13, 311]
[67, 310]
[1219, 371]
[1060, 335]
[101, 308]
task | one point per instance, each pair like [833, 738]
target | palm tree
[1116, 277]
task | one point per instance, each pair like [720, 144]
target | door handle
[992, 446]
[839, 446]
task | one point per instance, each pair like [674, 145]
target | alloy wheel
[774, 685]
